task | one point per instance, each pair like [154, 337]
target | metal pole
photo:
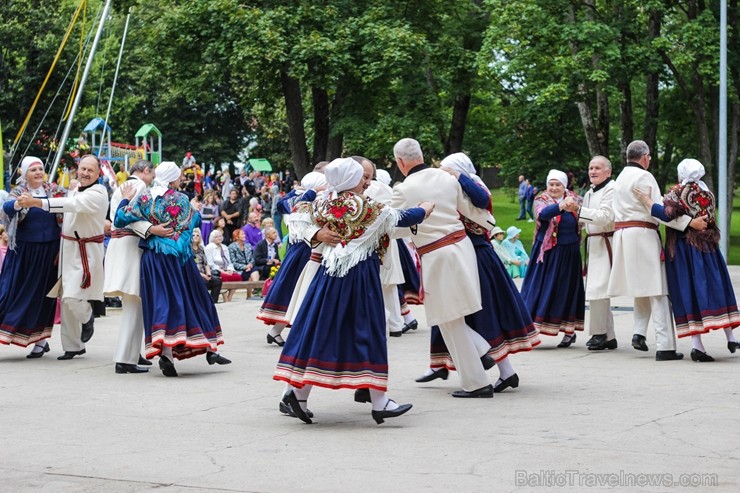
[78, 97]
[118, 67]
[725, 207]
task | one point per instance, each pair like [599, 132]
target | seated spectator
[266, 253]
[268, 222]
[213, 283]
[218, 259]
[252, 229]
[242, 258]
[511, 264]
[516, 249]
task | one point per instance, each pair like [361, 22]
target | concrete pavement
[580, 421]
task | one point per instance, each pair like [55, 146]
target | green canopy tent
[259, 164]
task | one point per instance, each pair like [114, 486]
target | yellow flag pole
[2, 162]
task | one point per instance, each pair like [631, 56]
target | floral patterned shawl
[691, 200]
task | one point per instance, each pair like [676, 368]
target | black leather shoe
[362, 395]
[638, 342]
[699, 356]
[442, 373]
[294, 405]
[604, 345]
[668, 355]
[596, 340]
[732, 346]
[167, 367]
[413, 325]
[71, 354]
[501, 385]
[87, 329]
[567, 343]
[215, 358]
[488, 361]
[379, 416]
[129, 368]
[275, 340]
[485, 392]
[38, 354]
[396, 334]
[143, 361]
[285, 409]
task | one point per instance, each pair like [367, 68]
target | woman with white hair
[180, 319]
[553, 289]
[29, 270]
[274, 308]
[699, 283]
[503, 326]
[338, 337]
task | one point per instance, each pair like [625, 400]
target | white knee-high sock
[730, 335]
[381, 401]
[302, 395]
[276, 329]
[167, 352]
[505, 368]
[697, 344]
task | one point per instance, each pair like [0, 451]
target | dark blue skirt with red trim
[178, 310]
[410, 290]
[701, 291]
[553, 289]
[503, 321]
[29, 272]
[338, 337]
[278, 297]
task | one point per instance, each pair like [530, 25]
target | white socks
[408, 318]
[505, 368]
[167, 352]
[730, 335]
[381, 402]
[697, 344]
[302, 395]
[276, 329]
[39, 347]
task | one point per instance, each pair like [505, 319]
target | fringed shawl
[542, 201]
[691, 200]
[363, 224]
[11, 224]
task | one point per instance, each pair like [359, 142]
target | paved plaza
[580, 421]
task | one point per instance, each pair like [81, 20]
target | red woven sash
[450, 239]
[82, 242]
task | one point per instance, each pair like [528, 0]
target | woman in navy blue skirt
[553, 289]
[338, 336]
[699, 284]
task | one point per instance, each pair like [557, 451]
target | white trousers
[600, 318]
[75, 312]
[465, 350]
[660, 308]
[130, 330]
[393, 319]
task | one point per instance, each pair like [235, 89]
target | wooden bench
[250, 286]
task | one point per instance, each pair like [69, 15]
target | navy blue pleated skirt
[278, 297]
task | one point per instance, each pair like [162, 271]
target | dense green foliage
[523, 85]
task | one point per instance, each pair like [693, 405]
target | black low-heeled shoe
[638, 342]
[567, 343]
[71, 354]
[700, 356]
[732, 346]
[38, 354]
[275, 340]
[143, 361]
[512, 381]
[380, 416]
[442, 373]
[285, 409]
[362, 395]
[167, 367]
[487, 361]
[294, 405]
[215, 358]
[88, 329]
[413, 325]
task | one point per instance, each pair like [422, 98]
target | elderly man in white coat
[449, 269]
[597, 215]
[122, 272]
[81, 257]
[637, 270]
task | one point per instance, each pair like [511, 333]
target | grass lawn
[506, 210]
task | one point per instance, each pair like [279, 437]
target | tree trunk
[454, 142]
[320, 124]
[652, 102]
[625, 118]
[336, 139]
[732, 156]
[296, 132]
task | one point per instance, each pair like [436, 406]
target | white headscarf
[343, 174]
[164, 174]
[26, 163]
[691, 170]
[313, 180]
[559, 176]
[461, 163]
[383, 177]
